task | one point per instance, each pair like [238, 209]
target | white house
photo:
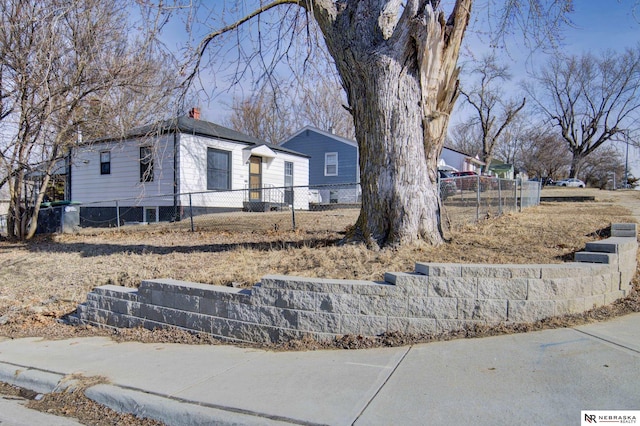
[450, 159]
[159, 171]
[4, 200]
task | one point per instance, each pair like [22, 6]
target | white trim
[327, 155]
[263, 151]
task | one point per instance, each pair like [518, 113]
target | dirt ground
[42, 281]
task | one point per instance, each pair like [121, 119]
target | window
[105, 163]
[288, 183]
[288, 173]
[331, 164]
[146, 164]
[150, 214]
[218, 169]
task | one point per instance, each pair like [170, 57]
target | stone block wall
[434, 298]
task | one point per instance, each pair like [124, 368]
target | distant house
[333, 163]
[159, 171]
[451, 159]
[501, 169]
[4, 200]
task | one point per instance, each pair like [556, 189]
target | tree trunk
[399, 191]
[401, 80]
[576, 164]
[33, 224]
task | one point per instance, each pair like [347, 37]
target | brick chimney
[194, 113]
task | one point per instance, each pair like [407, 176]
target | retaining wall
[435, 298]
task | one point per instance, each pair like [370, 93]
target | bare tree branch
[493, 115]
[202, 47]
[589, 99]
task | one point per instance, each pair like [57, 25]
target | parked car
[577, 183]
[546, 181]
[467, 181]
[448, 185]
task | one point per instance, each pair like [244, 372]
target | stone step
[624, 230]
[591, 257]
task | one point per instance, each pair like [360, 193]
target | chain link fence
[330, 208]
[472, 198]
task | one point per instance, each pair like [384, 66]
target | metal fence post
[191, 212]
[117, 214]
[539, 194]
[477, 198]
[499, 197]
[293, 209]
[518, 183]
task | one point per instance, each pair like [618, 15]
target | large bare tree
[465, 137]
[493, 111]
[589, 99]
[397, 62]
[544, 155]
[67, 66]
[276, 112]
[266, 115]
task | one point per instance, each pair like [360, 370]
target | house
[183, 166]
[4, 208]
[334, 169]
[451, 159]
[4, 200]
[501, 169]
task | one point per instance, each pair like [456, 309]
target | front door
[255, 179]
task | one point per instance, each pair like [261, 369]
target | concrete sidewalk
[545, 377]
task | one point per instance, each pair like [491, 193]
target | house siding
[316, 145]
[89, 186]
[193, 171]
[192, 163]
[458, 160]
[4, 201]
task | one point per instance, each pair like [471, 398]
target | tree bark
[577, 161]
[399, 193]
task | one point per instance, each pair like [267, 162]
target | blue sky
[596, 26]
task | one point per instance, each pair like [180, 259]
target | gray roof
[184, 124]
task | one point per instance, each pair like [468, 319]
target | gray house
[334, 167]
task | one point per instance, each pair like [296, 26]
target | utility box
[59, 217]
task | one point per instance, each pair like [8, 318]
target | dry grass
[44, 279]
[73, 403]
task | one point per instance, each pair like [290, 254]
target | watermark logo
[608, 417]
[590, 418]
